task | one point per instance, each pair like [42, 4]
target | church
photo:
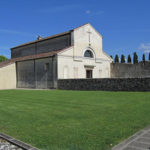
[75, 54]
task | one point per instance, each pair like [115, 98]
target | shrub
[3, 58]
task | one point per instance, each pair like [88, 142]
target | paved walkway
[139, 141]
[9, 143]
[4, 145]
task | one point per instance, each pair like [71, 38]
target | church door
[89, 74]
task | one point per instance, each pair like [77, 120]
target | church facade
[75, 54]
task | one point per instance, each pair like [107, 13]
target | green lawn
[73, 120]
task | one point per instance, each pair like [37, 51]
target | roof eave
[43, 39]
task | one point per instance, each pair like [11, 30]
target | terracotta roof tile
[5, 63]
[50, 37]
[37, 56]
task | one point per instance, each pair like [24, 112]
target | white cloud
[98, 12]
[7, 31]
[145, 47]
[147, 51]
[88, 12]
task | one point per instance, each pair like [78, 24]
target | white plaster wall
[72, 59]
[81, 40]
[8, 77]
[101, 70]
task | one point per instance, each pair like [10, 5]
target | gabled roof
[31, 57]
[54, 36]
[43, 39]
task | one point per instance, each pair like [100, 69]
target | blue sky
[124, 24]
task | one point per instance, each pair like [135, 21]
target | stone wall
[106, 84]
[139, 70]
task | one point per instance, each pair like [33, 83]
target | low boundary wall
[105, 84]
[123, 70]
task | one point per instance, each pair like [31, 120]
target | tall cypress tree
[135, 58]
[143, 58]
[116, 59]
[129, 59]
[122, 59]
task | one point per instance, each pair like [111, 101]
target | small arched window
[88, 53]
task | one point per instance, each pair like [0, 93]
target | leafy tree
[143, 58]
[122, 59]
[116, 59]
[135, 58]
[3, 58]
[111, 56]
[129, 59]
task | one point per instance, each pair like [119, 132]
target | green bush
[3, 58]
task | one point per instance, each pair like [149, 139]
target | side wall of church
[39, 73]
[139, 70]
[8, 77]
[42, 46]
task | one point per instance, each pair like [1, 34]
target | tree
[122, 59]
[135, 58]
[129, 59]
[143, 58]
[149, 56]
[116, 59]
[3, 58]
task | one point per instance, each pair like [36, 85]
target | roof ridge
[50, 37]
[45, 38]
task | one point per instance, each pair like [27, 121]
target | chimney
[39, 37]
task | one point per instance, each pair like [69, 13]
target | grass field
[73, 120]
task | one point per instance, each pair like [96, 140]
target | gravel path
[4, 145]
